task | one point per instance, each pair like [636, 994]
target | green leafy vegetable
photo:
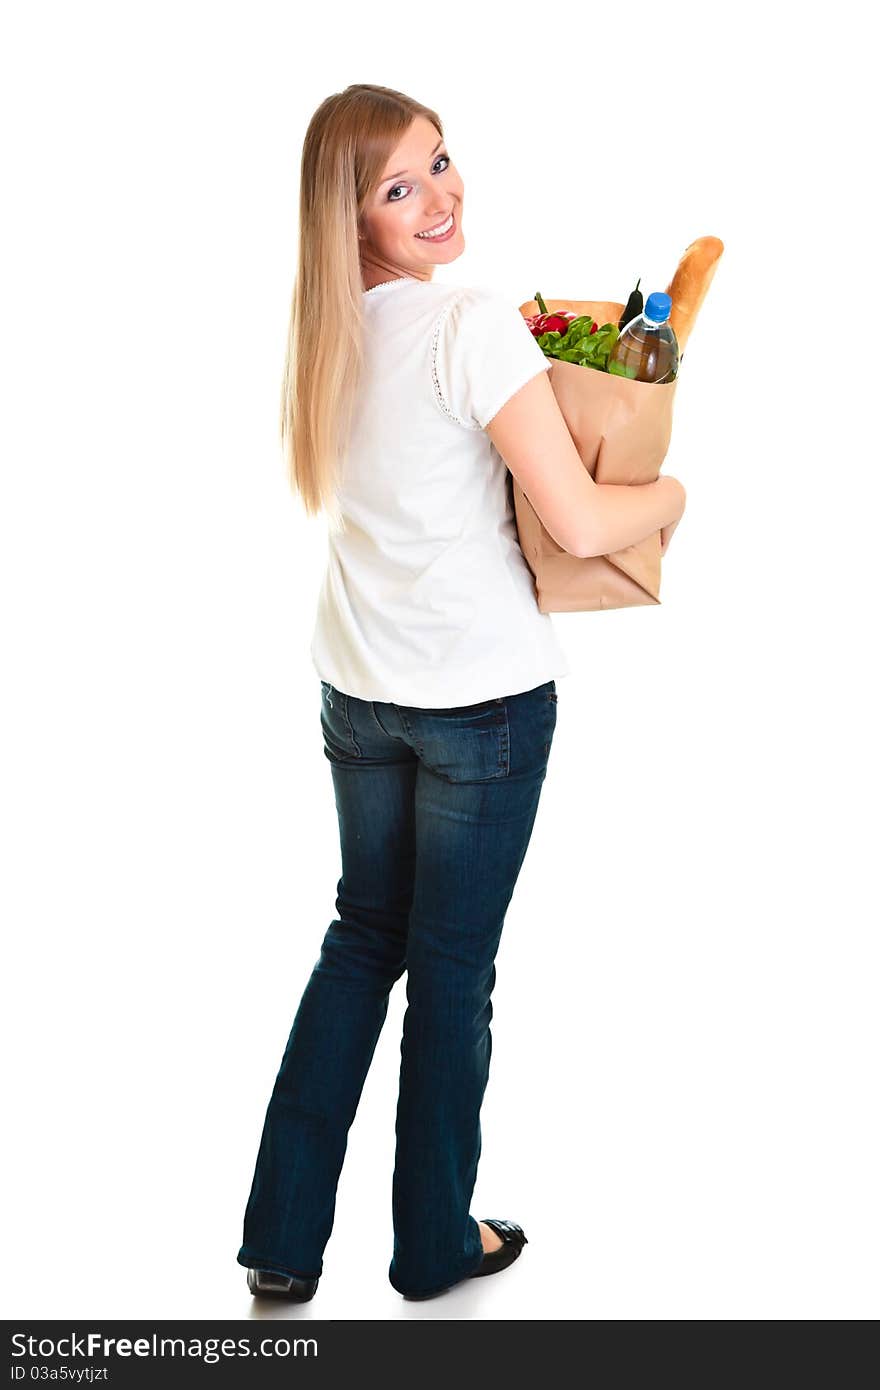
[581, 343]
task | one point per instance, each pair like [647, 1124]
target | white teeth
[438, 231]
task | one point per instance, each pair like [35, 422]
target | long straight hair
[347, 145]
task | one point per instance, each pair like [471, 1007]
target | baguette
[688, 287]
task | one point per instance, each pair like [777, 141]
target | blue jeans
[436, 809]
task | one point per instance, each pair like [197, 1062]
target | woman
[437, 670]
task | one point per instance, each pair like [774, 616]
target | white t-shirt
[427, 598]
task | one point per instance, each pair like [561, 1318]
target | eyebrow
[403, 171]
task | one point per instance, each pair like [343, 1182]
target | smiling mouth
[440, 230]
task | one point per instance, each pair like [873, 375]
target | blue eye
[401, 185]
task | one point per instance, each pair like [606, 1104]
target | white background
[682, 1105]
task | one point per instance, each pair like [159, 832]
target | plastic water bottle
[647, 349]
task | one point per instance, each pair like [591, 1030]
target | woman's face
[418, 191]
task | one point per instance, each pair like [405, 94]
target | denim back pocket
[467, 743]
[339, 740]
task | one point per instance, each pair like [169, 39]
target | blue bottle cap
[657, 307]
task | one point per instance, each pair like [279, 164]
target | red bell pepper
[545, 322]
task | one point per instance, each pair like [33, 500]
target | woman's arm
[583, 517]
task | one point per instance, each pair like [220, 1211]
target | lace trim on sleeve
[438, 394]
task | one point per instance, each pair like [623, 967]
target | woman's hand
[666, 536]
[667, 531]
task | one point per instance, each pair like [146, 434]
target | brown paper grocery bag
[622, 430]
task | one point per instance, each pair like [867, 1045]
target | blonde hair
[348, 142]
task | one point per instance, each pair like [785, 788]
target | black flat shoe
[514, 1238]
[290, 1286]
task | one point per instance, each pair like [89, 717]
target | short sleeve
[482, 353]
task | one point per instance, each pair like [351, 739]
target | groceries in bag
[572, 337]
[647, 349]
[641, 345]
